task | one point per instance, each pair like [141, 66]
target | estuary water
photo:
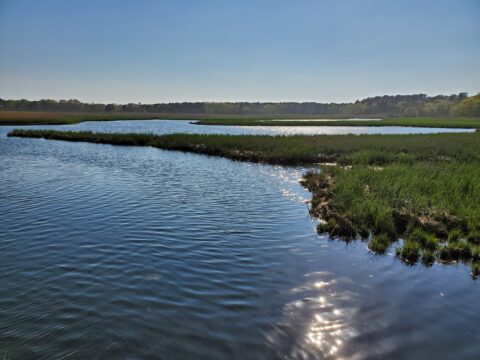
[185, 126]
[110, 252]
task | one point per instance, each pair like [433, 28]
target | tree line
[389, 105]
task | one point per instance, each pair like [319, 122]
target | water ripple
[122, 252]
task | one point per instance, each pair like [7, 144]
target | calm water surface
[138, 253]
[178, 126]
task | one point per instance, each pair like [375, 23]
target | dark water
[138, 253]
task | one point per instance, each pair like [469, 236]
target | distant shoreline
[20, 118]
[453, 122]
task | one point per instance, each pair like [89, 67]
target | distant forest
[396, 105]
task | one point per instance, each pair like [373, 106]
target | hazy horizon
[228, 101]
[187, 51]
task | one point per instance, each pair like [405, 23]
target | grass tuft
[428, 257]
[409, 252]
[380, 243]
[455, 235]
[474, 237]
[475, 269]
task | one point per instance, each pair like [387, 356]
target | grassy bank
[410, 121]
[9, 118]
[59, 118]
[433, 206]
[299, 149]
[424, 189]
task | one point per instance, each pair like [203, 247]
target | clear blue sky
[226, 50]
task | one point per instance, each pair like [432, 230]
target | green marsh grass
[475, 269]
[457, 122]
[380, 243]
[430, 205]
[9, 118]
[300, 149]
[428, 257]
[409, 252]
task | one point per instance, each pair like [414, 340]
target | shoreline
[428, 233]
[27, 118]
[423, 122]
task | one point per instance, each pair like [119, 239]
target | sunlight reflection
[344, 130]
[321, 320]
[287, 181]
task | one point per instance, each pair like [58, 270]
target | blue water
[139, 253]
[179, 126]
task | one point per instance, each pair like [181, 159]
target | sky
[237, 50]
